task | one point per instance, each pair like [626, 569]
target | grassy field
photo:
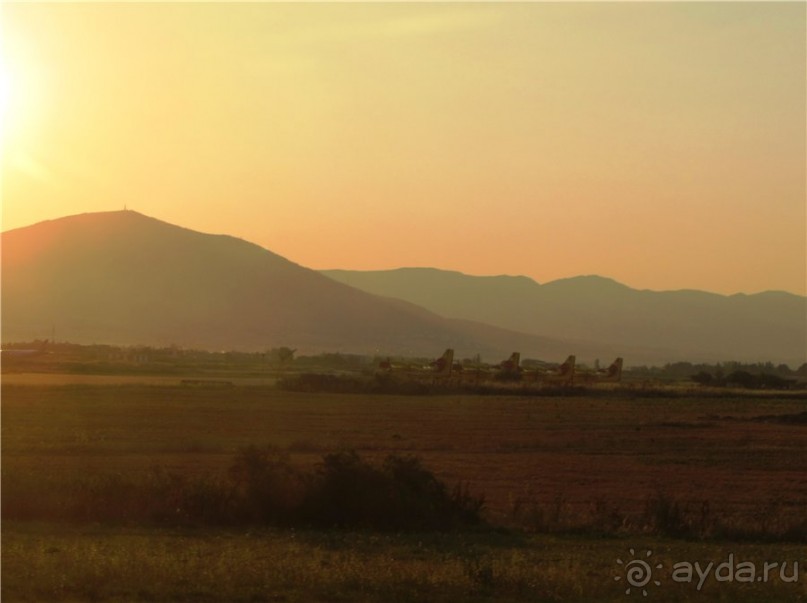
[47, 562]
[570, 483]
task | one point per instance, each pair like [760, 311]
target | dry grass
[551, 464]
[91, 563]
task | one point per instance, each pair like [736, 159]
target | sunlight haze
[659, 144]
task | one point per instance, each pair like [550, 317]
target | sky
[659, 144]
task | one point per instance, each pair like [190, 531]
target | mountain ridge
[690, 324]
[565, 279]
[123, 277]
[126, 278]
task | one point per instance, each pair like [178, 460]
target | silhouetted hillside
[124, 278]
[678, 324]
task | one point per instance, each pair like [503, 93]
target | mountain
[676, 325]
[125, 278]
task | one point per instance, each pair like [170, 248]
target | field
[571, 484]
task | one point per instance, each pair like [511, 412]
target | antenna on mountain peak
[124, 207]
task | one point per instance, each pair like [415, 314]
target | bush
[261, 487]
[401, 495]
[703, 378]
[264, 487]
[665, 516]
[317, 382]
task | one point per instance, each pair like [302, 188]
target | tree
[702, 378]
[282, 355]
[742, 379]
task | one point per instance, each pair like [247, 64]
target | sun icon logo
[638, 572]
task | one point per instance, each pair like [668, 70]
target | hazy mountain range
[125, 278]
[693, 325]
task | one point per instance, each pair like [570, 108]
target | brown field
[544, 464]
[579, 449]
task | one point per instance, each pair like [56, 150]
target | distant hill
[676, 325]
[125, 278]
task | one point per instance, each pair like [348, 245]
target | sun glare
[5, 99]
[5, 83]
[20, 97]
[14, 93]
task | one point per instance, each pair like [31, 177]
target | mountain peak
[122, 277]
[588, 282]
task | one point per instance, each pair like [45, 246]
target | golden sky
[660, 144]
